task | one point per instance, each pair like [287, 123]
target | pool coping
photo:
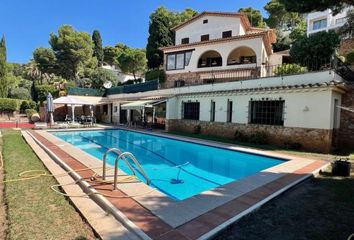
[179, 214]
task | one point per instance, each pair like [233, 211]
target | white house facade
[219, 82]
[298, 109]
[326, 20]
[215, 46]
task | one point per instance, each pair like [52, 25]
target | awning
[138, 105]
[70, 100]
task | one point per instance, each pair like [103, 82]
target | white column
[73, 113]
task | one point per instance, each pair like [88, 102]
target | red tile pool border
[198, 227]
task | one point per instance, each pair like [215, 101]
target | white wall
[308, 78]
[331, 20]
[215, 26]
[224, 49]
[305, 109]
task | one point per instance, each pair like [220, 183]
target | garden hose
[33, 174]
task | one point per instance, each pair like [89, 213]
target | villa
[326, 20]
[217, 47]
[221, 79]
[143, 175]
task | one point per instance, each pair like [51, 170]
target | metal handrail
[118, 152]
[132, 157]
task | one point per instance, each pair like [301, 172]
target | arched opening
[242, 55]
[210, 59]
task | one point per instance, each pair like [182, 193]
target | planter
[341, 168]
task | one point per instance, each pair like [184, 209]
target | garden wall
[317, 140]
[345, 134]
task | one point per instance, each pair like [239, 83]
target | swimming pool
[198, 167]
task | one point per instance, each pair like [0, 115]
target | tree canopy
[315, 50]
[72, 49]
[3, 69]
[306, 6]
[46, 60]
[132, 61]
[348, 28]
[99, 77]
[160, 34]
[254, 16]
[98, 50]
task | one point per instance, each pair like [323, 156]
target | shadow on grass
[321, 208]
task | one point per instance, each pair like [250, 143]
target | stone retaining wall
[345, 134]
[317, 140]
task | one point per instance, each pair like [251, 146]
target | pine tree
[160, 34]
[98, 49]
[3, 70]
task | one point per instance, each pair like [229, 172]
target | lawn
[34, 211]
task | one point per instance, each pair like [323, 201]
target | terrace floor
[157, 217]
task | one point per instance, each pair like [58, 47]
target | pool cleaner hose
[34, 174]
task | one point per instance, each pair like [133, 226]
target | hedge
[155, 74]
[8, 104]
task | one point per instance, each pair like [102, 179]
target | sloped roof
[244, 19]
[268, 36]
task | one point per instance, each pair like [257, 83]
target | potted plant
[341, 167]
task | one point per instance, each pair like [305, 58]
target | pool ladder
[122, 156]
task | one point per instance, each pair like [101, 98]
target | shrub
[8, 105]
[315, 50]
[349, 59]
[197, 129]
[43, 90]
[287, 69]
[30, 112]
[240, 136]
[28, 104]
[259, 137]
[20, 93]
[156, 74]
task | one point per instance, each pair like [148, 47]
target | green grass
[299, 153]
[34, 210]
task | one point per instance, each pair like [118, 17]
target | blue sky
[28, 23]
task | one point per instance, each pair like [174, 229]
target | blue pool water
[200, 167]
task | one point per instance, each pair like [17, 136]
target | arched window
[210, 59]
[242, 55]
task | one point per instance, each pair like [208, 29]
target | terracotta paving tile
[231, 208]
[194, 229]
[173, 235]
[158, 229]
[143, 218]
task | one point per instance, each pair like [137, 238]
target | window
[180, 61]
[229, 111]
[115, 109]
[171, 61]
[105, 109]
[341, 20]
[212, 111]
[185, 40]
[191, 110]
[319, 24]
[177, 61]
[227, 34]
[205, 21]
[268, 112]
[179, 83]
[204, 37]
